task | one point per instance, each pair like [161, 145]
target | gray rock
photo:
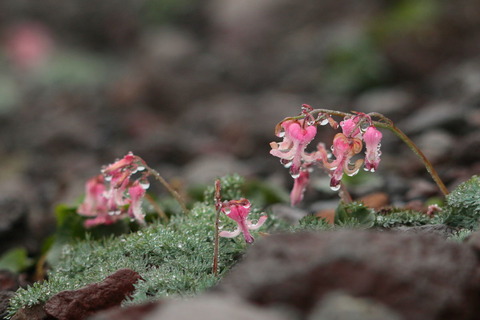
[205, 169]
[440, 230]
[341, 306]
[435, 144]
[418, 276]
[211, 307]
[435, 115]
[390, 101]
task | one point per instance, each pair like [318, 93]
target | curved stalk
[172, 191]
[428, 165]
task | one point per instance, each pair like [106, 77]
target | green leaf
[15, 260]
[354, 214]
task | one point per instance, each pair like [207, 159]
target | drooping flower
[136, 192]
[238, 211]
[372, 138]
[344, 149]
[114, 195]
[291, 151]
[95, 202]
[299, 186]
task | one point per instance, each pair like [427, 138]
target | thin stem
[172, 191]
[218, 208]
[156, 207]
[428, 165]
[344, 194]
[216, 244]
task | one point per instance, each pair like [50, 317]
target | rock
[466, 151]
[129, 313]
[35, 312]
[5, 297]
[434, 115]
[341, 306]
[390, 102]
[435, 144]
[205, 169]
[81, 303]
[440, 230]
[212, 307]
[13, 223]
[288, 213]
[375, 200]
[418, 276]
[8, 281]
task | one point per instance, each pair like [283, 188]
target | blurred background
[195, 87]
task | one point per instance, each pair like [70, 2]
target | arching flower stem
[172, 191]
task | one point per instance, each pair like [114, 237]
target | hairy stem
[172, 191]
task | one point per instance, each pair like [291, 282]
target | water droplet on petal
[352, 173]
[286, 163]
[145, 184]
[227, 210]
[324, 122]
[295, 175]
[364, 126]
[108, 178]
[335, 188]
[281, 134]
[140, 168]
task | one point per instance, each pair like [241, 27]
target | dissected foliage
[463, 204]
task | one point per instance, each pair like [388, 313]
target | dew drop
[247, 206]
[286, 163]
[227, 210]
[295, 175]
[145, 184]
[350, 174]
[335, 188]
[281, 134]
[140, 168]
[108, 178]
[324, 122]
[364, 126]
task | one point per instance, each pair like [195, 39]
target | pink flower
[95, 202]
[350, 127]
[29, 45]
[96, 205]
[291, 151]
[136, 192]
[343, 149]
[299, 186]
[372, 138]
[238, 211]
[113, 195]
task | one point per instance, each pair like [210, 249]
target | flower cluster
[298, 133]
[238, 211]
[114, 195]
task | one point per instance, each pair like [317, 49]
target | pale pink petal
[228, 234]
[257, 225]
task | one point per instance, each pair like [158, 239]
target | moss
[463, 205]
[175, 259]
